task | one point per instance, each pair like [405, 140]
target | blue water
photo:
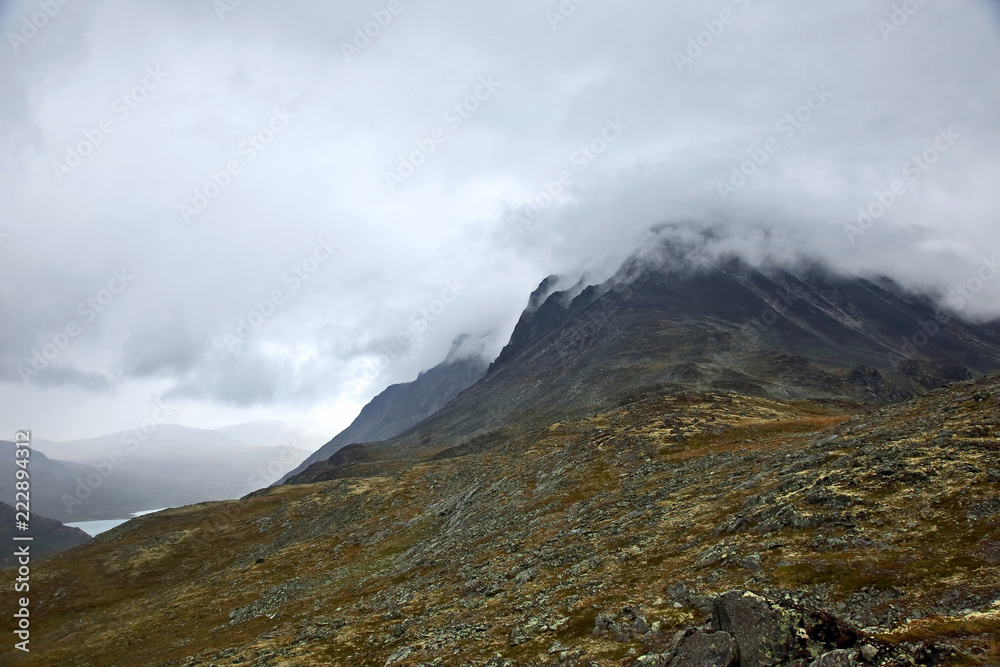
[95, 528]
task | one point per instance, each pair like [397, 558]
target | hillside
[534, 546]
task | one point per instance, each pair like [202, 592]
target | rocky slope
[873, 537]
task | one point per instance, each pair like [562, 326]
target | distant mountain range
[112, 476]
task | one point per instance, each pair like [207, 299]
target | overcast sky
[168, 167]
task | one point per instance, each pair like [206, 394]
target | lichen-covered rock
[770, 633]
[764, 631]
[627, 624]
[704, 649]
[838, 658]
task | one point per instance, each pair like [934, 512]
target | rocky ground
[856, 537]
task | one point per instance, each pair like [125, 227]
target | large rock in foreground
[751, 631]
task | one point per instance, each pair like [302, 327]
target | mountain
[48, 535]
[112, 476]
[401, 406]
[662, 326]
[51, 479]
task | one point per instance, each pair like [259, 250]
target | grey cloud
[171, 350]
[456, 216]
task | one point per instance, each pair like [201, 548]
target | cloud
[776, 130]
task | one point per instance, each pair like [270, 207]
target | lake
[95, 528]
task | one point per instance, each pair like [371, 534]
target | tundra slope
[590, 541]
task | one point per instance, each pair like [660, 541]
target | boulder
[707, 649]
[764, 631]
[838, 658]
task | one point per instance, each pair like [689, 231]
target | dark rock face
[766, 634]
[769, 633]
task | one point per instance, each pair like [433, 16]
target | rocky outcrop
[748, 630]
